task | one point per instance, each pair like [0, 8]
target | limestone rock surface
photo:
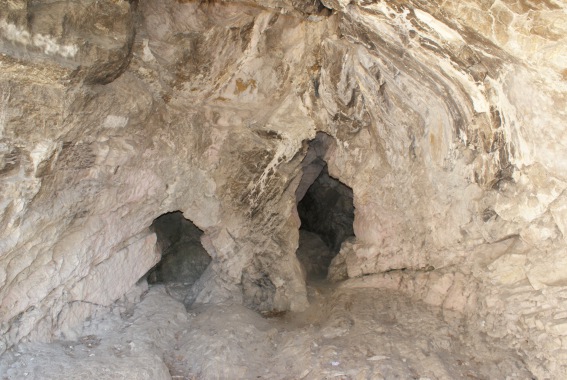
[341, 335]
[446, 119]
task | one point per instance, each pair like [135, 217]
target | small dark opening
[326, 209]
[183, 257]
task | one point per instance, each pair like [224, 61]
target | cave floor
[345, 334]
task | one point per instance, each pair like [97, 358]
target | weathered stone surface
[559, 211]
[447, 121]
[341, 332]
[508, 269]
[547, 268]
[93, 39]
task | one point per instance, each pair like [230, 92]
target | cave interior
[283, 189]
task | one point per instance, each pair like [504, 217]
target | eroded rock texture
[447, 121]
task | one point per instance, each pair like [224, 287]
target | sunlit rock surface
[446, 121]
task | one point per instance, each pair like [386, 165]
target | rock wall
[447, 121]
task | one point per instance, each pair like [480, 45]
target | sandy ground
[345, 334]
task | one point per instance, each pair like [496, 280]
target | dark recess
[183, 257]
[326, 211]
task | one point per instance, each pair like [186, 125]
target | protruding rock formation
[448, 122]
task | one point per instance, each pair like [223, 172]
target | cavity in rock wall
[183, 257]
[327, 209]
[449, 128]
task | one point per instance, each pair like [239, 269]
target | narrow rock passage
[345, 334]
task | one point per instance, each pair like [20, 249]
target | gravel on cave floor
[345, 334]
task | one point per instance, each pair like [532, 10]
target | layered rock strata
[446, 120]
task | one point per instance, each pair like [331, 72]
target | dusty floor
[346, 334]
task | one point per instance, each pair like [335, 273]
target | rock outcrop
[447, 121]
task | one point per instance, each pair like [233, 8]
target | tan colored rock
[137, 256]
[559, 327]
[559, 211]
[97, 49]
[460, 295]
[447, 120]
[547, 268]
[438, 289]
[508, 269]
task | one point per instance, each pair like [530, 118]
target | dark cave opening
[326, 210]
[183, 257]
